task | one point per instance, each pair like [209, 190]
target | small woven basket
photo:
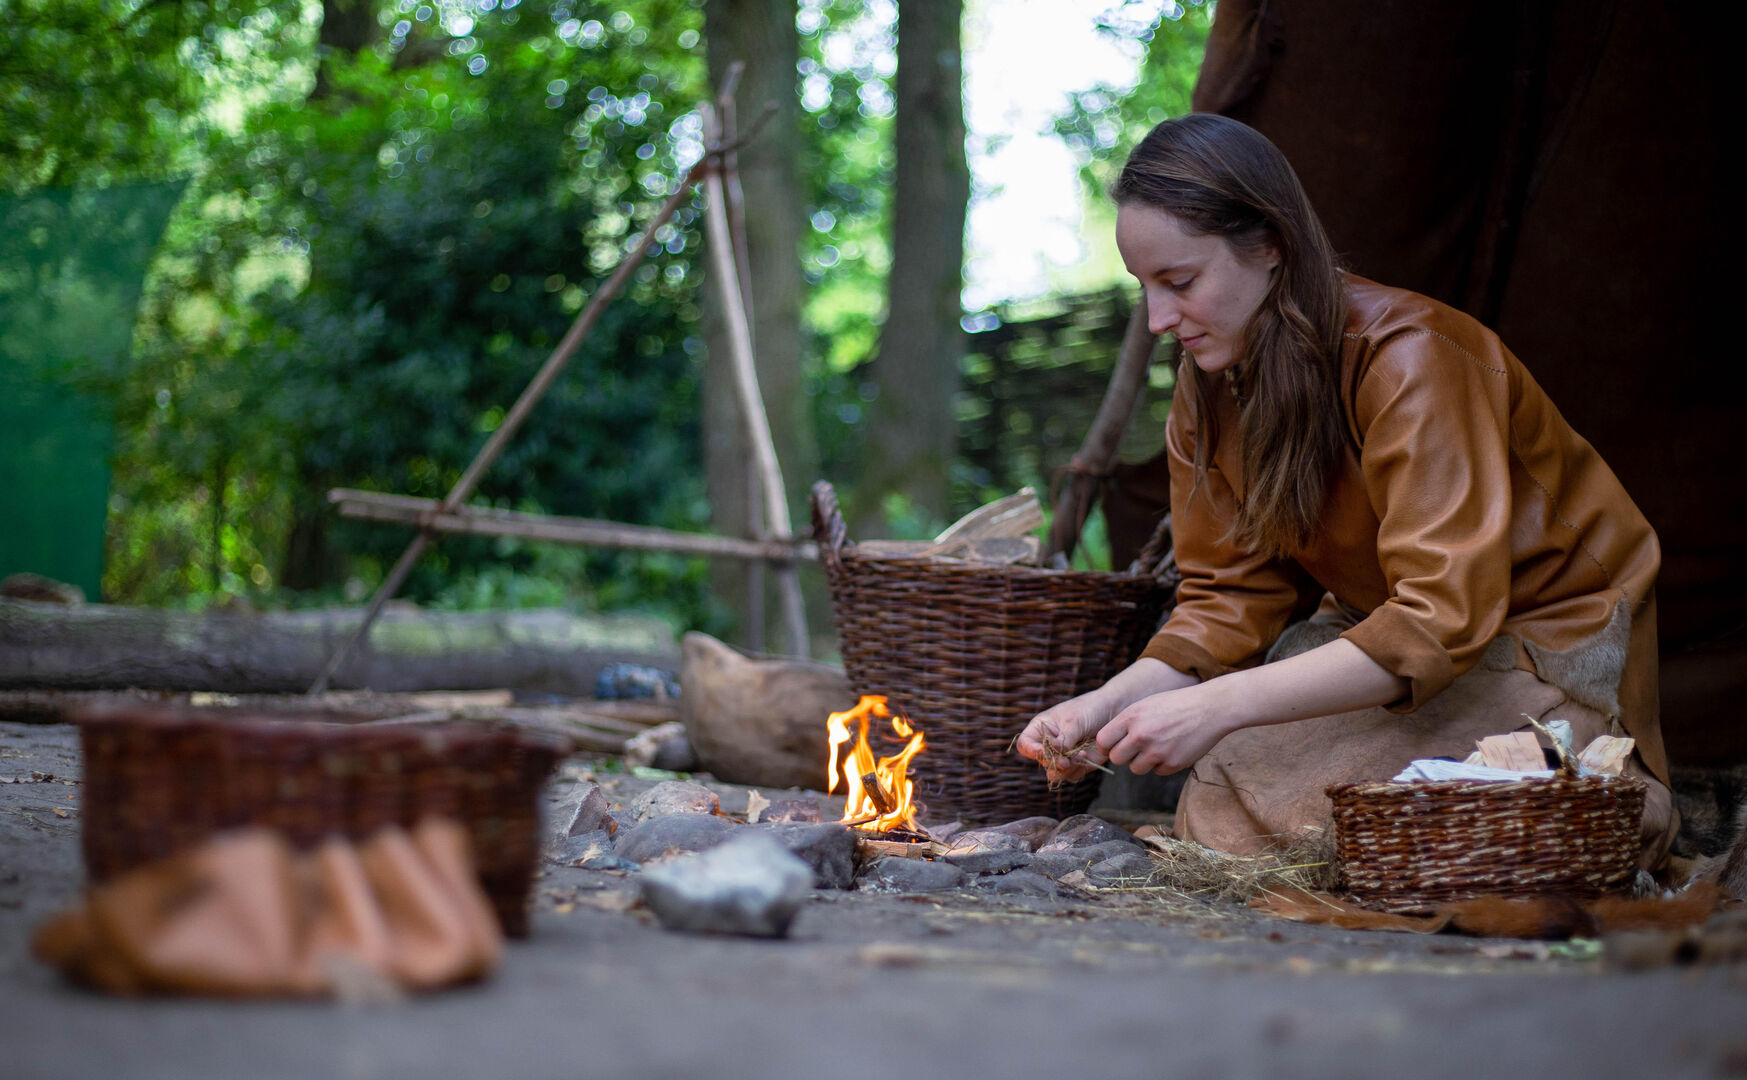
[972, 652]
[1411, 847]
[163, 778]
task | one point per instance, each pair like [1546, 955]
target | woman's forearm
[1141, 679]
[1333, 678]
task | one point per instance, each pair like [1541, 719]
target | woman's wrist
[1141, 680]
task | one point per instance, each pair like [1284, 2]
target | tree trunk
[310, 560]
[347, 26]
[762, 34]
[917, 367]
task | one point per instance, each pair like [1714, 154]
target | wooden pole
[776, 507]
[428, 514]
[531, 396]
[1091, 463]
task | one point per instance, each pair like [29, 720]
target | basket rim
[1414, 788]
[319, 725]
[946, 567]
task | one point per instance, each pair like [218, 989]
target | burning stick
[876, 791]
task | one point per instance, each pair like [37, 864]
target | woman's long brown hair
[1220, 177]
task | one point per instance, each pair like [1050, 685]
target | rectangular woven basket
[162, 778]
[972, 652]
[1412, 847]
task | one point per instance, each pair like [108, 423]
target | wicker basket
[1411, 847]
[972, 652]
[162, 778]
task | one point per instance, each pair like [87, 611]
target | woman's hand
[1167, 732]
[1060, 738]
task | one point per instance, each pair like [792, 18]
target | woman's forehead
[1160, 239]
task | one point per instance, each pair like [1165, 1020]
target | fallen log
[105, 647]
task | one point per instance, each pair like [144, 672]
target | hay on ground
[1304, 861]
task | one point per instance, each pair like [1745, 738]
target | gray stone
[801, 811]
[1021, 883]
[580, 809]
[1054, 864]
[673, 834]
[944, 832]
[972, 841]
[578, 850]
[1084, 830]
[989, 862]
[618, 820]
[611, 862]
[829, 850]
[893, 874]
[1131, 869]
[748, 885]
[675, 797]
[1033, 830]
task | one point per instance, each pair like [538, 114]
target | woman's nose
[1161, 315]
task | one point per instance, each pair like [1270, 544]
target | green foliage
[361, 281]
[1104, 122]
[93, 91]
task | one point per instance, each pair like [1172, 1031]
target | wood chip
[1607, 755]
[756, 804]
[1014, 516]
[1518, 751]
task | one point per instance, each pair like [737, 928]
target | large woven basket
[1411, 847]
[972, 652]
[161, 778]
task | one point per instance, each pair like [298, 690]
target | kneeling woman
[1379, 462]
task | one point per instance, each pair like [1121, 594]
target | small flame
[878, 790]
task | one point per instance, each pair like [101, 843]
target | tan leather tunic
[1469, 522]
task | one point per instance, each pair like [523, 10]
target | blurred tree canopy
[393, 210]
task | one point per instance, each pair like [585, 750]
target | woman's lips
[1191, 342]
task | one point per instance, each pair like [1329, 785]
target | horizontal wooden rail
[479, 521]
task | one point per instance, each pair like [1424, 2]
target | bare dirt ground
[960, 984]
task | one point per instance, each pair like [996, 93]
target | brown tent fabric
[1555, 169]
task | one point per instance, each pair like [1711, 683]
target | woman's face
[1197, 287]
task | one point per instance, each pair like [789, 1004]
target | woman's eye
[1179, 286]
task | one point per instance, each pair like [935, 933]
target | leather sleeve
[1433, 419]
[1232, 603]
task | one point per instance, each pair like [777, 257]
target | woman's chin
[1211, 361]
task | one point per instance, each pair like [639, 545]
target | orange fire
[878, 791]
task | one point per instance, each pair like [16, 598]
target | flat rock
[1133, 868]
[579, 850]
[828, 850]
[660, 837]
[675, 797]
[989, 862]
[945, 831]
[1033, 830]
[1021, 883]
[1084, 830]
[800, 811]
[749, 885]
[1057, 864]
[580, 809]
[972, 841]
[892, 874]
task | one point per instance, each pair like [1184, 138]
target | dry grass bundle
[1305, 861]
